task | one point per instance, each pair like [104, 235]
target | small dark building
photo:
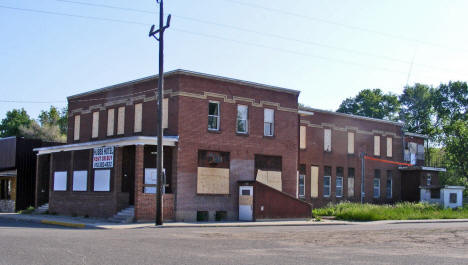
[18, 173]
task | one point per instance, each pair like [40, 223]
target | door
[245, 203]
[128, 172]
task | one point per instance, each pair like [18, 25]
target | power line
[32, 102]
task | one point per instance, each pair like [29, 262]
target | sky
[329, 50]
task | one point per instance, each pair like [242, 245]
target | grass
[28, 210]
[400, 211]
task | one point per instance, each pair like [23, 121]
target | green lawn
[400, 211]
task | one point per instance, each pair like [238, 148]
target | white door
[246, 203]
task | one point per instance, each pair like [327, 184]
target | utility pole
[159, 155]
[363, 172]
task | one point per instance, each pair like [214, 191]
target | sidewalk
[93, 223]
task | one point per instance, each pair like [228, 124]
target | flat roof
[411, 168]
[309, 109]
[189, 73]
[416, 135]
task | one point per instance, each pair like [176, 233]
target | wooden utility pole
[159, 155]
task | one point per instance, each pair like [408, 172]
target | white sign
[151, 178]
[103, 157]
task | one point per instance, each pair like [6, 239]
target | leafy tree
[14, 119]
[54, 117]
[372, 103]
[417, 111]
[46, 132]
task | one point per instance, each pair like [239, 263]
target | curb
[51, 222]
[247, 225]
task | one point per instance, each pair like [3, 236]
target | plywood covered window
[269, 170]
[242, 119]
[165, 121]
[314, 173]
[376, 145]
[351, 175]
[213, 172]
[327, 140]
[138, 117]
[60, 180]
[350, 142]
[121, 120]
[389, 146]
[326, 181]
[213, 116]
[268, 122]
[95, 127]
[80, 180]
[303, 137]
[102, 180]
[76, 130]
[110, 122]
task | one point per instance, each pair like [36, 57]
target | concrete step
[125, 216]
[42, 209]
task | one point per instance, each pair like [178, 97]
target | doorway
[128, 173]
[245, 203]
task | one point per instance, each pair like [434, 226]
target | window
[268, 122]
[138, 117]
[213, 116]
[388, 187]
[326, 181]
[389, 146]
[314, 173]
[376, 145]
[339, 182]
[60, 180]
[301, 187]
[80, 180]
[350, 142]
[76, 132]
[420, 153]
[351, 176]
[453, 198]
[95, 128]
[121, 120]
[327, 140]
[102, 180]
[377, 183]
[435, 193]
[429, 180]
[110, 122]
[242, 121]
[165, 121]
[302, 137]
[5, 189]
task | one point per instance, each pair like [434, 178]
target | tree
[417, 111]
[54, 117]
[372, 103]
[49, 133]
[14, 119]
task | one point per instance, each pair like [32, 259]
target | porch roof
[422, 168]
[8, 173]
[123, 141]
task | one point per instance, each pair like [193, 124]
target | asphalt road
[29, 243]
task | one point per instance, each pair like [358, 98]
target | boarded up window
[268, 170]
[350, 142]
[351, 175]
[314, 172]
[165, 121]
[213, 172]
[121, 120]
[60, 180]
[327, 140]
[110, 122]
[270, 178]
[102, 180]
[376, 145]
[95, 129]
[76, 132]
[303, 137]
[389, 146]
[138, 117]
[80, 180]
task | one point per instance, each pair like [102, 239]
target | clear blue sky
[327, 49]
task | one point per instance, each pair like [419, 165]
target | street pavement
[381, 243]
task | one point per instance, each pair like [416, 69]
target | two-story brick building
[230, 146]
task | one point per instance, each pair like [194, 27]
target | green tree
[372, 103]
[11, 123]
[54, 117]
[417, 111]
[46, 132]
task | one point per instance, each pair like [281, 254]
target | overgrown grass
[400, 211]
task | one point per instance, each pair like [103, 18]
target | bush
[28, 210]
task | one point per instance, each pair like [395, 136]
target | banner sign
[103, 157]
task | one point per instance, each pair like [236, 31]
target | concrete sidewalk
[92, 223]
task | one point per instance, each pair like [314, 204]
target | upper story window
[121, 120]
[138, 117]
[303, 137]
[268, 122]
[76, 131]
[389, 146]
[376, 145]
[95, 129]
[213, 116]
[242, 121]
[350, 142]
[110, 122]
[327, 140]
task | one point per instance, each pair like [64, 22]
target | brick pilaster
[139, 158]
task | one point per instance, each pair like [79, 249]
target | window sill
[242, 134]
[268, 136]
[213, 131]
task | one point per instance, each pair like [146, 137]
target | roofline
[417, 135]
[351, 116]
[411, 168]
[189, 73]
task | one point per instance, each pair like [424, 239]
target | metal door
[245, 203]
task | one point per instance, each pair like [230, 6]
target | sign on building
[103, 157]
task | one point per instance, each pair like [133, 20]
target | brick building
[229, 145]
